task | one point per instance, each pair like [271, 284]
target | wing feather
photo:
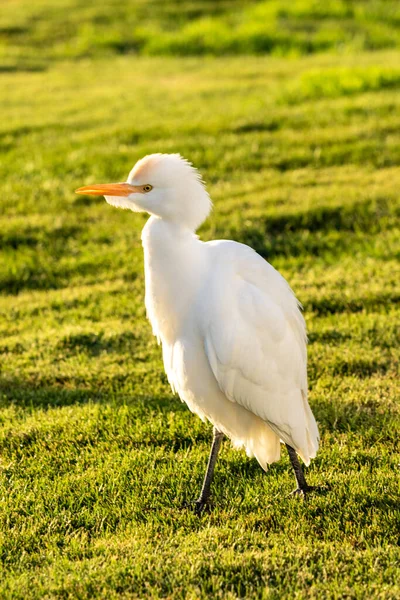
[255, 341]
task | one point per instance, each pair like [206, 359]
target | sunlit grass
[98, 461]
[33, 33]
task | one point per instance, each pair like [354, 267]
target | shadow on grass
[95, 344]
[359, 216]
[36, 236]
[257, 126]
[33, 395]
[323, 232]
[355, 417]
[337, 304]
[47, 277]
[328, 337]
[23, 68]
[362, 368]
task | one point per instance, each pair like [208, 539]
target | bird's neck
[174, 262]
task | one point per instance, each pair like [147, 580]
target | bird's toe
[304, 491]
[200, 507]
[299, 492]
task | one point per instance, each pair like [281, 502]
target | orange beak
[109, 189]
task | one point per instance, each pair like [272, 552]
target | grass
[97, 458]
[34, 33]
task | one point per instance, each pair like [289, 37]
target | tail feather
[264, 445]
[312, 432]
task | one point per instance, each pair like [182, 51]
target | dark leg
[302, 485]
[205, 490]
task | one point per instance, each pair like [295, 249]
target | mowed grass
[99, 463]
[33, 33]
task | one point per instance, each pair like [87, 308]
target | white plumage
[232, 333]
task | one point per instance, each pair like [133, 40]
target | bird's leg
[205, 490]
[302, 485]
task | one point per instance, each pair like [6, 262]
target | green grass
[34, 33]
[97, 459]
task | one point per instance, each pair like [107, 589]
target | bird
[233, 336]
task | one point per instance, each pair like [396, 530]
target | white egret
[232, 333]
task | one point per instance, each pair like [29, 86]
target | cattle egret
[232, 333]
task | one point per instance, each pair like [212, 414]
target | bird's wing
[255, 340]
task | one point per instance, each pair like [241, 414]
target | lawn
[301, 152]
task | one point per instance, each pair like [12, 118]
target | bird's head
[164, 185]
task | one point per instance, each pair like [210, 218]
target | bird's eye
[147, 188]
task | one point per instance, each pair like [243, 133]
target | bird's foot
[200, 506]
[304, 491]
